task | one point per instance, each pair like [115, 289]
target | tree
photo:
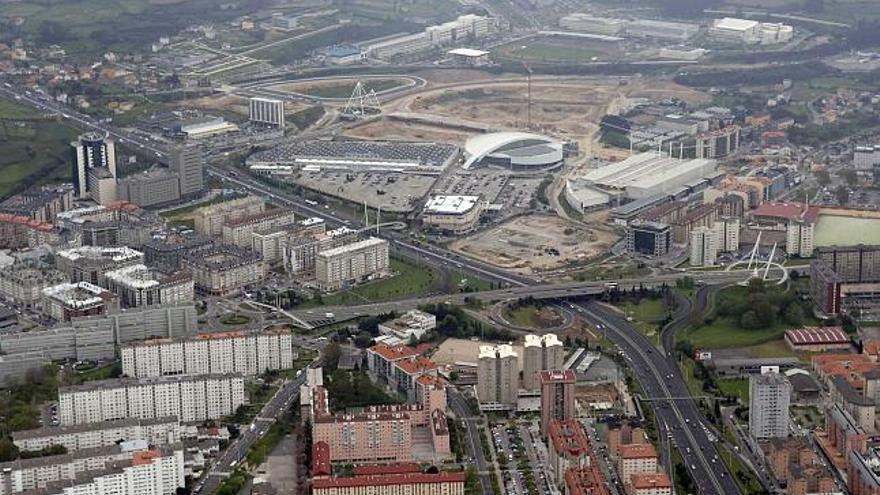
[794, 315]
[749, 320]
[823, 177]
[332, 353]
[850, 176]
[842, 194]
[765, 313]
[53, 32]
[8, 450]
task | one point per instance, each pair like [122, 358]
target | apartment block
[53, 472]
[703, 246]
[352, 264]
[541, 353]
[66, 301]
[209, 353]
[557, 397]
[393, 479]
[239, 231]
[223, 269]
[90, 263]
[137, 285]
[209, 219]
[727, 232]
[24, 281]
[189, 397]
[568, 448]
[769, 397]
[300, 249]
[158, 431]
[497, 376]
[636, 459]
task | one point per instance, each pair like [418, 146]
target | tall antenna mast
[362, 103]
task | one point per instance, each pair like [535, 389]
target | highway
[673, 406]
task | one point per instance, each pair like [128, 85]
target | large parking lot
[390, 191]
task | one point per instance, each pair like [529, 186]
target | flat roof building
[137, 285]
[72, 300]
[649, 174]
[351, 264]
[497, 376]
[453, 214]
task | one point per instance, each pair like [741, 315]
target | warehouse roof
[734, 24]
[451, 205]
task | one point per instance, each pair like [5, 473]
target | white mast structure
[362, 103]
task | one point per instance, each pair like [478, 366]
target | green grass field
[343, 90]
[737, 387]
[32, 152]
[409, 280]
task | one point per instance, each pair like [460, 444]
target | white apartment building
[747, 31]
[541, 353]
[209, 353]
[266, 111]
[137, 286]
[497, 376]
[466, 27]
[727, 232]
[398, 46]
[209, 220]
[300, 250]
[158, 431]
[352, 263]
[704, 246]
[24, 282]
[412, 324]
[58, 473]
[189, 397]
[769, 397]
[240, 231]
[799, 238]
[865, 158]
[151, 472]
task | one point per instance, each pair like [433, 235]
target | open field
[545, 49]
[457, 350]
[32, 152]
[535, 243]
[409, 280]
[533, 317]
[340, 88]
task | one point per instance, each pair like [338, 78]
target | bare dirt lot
[236, 104]
[391, 130]
[536, 243]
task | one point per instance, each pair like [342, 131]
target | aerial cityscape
[439, 247]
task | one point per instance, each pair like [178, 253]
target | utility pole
[529, 91]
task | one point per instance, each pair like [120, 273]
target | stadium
[357, 156]
[514, 151]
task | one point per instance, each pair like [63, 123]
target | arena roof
[483, 145]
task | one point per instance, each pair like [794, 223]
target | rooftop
[817, 335]
[568, 437]
[126, 382]
[734, 24]
[451, 205]
[557, 376]
[646, 481]
[467, 52]
[546, 340]
[637, 451]
[389, 480]
[788, 211]
[496, 351]
[393, 353]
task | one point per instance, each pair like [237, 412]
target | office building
[266, 111]
[638, 458]
[157, 431]
[541, 353]
[209, 220]
[91, 150]
[453, 214]
[188, 162]
[24, 281]
[727, 232]
[137, 285]
[158, 186]
[497, 376]
[557, 396]
[769, 396]
[77, 472]
[413, 324]
[189, 397]
[73, 300]
[648, 238]
[568, 447]
[209, 353]
[102, 186]
[704, 247]
[223, 269]
[239, 231]
[352, 264]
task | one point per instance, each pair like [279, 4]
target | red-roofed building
[637, 458]
[321, 460]
[381, 359]
[17, 231]
[651, 484]
[785, 212]
[871, 348]
[586, 481]
[443, 483]
[406, 372]
[568, 447]
[817, 339]
[379, 469]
